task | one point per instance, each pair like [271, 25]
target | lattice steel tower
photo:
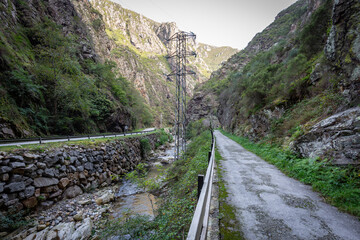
[180, 55]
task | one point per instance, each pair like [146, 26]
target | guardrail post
[124, 133]
[68, 138]
[200, 184]
[40, 140]
[89, 136]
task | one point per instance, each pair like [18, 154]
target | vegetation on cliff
[48, 86]
[290, 76]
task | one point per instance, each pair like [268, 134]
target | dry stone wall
[35, 179]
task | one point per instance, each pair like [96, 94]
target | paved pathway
[270, 205]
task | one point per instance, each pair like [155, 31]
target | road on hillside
[270, 205]
[72, 138]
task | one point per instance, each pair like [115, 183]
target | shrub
[12, 221]
[312, 38]
[145, 147]
[97, 23]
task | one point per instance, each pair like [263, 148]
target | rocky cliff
[53, 80]
[74, 66]
[139, 47]
[296, 83]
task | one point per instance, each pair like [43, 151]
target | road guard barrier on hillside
[199, 225]
[40, 140]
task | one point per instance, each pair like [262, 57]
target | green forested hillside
[71, 66]
[50, 84]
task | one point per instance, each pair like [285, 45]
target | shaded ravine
[270, 205]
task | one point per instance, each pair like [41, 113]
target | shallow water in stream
[132, 199]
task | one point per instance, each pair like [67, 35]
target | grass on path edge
[339, 186]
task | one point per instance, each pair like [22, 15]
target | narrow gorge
[90, 67]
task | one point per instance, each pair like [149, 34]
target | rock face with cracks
[337, 137]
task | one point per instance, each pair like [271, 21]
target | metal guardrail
[199, 224]
[40, 140]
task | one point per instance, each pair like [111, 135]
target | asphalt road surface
[270, 205]
[71, 139]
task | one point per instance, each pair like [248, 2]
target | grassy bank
[177, 204]
[340, 186]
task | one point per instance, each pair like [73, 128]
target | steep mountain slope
[52, 81]
[299, 71]
[73, 66]
[139, 47]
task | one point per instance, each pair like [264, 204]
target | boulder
[78, 217]
[85, 202]
[63, 168]
[4, 162]
[83, 231]
[89, 166]
[45, 182]
[29, 181]
[41, 165]
[72, 168]
[16, 178]
[15, 187]
[63, 183]
[29, 191]
[72, 159]
[37, 192]
[72, 192]
[106, 198]
[4, 177]
[50, 189]
[56, 194]
[49, 172]
[30, 156]
[50, 161]
[80, 168]
[6, 132]
[38, 235]
[336, 137]
[30, 168]
[61, 231]
[17, 164]
[41, 227]
[17, 158]
[5, 169]
[30, 202]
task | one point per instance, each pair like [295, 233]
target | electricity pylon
[180, 55]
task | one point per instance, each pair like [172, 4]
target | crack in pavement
[270, 205]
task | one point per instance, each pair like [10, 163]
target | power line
[180, 55]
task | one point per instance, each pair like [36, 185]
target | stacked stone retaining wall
[35, 179]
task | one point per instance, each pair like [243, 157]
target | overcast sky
[216, 22]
